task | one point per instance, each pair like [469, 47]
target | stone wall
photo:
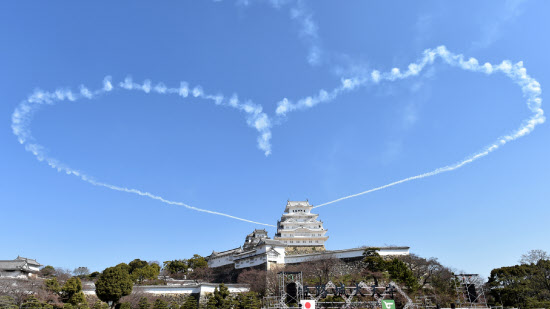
[303, 250]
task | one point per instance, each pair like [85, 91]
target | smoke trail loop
[23, 114]
[516, 72]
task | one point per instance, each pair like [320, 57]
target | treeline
[526, 285]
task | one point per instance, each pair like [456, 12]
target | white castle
[299, 227]
[300, 238]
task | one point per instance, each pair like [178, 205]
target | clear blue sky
[481, 216]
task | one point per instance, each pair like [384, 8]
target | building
[258, 250]
[19, 268]
[300, 238]
[175, 287]
[299, 228]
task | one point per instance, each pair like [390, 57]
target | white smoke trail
[303, 16]
[516, 72]
[22, 118]
[257, 119]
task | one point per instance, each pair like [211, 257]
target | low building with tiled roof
[19, 268]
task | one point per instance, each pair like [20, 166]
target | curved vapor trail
[257, 119]
[516, 72]
[22, 118]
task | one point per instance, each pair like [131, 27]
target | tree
[510, 285]
[248, 300]
[423, 269]
[175, 266]
[125, 305]
[113, 284]
[196, 262]
[47, 271]
[81, 271]
[135, 264]
[190, 303]
[374, 264]
[143, 303]
[256, 279]
[401, 273]
[533, 256]
[32, 303]
[52, 285]
[71, 293]
[142, 270]
[7, 302]
[220, 299]
[160, 304]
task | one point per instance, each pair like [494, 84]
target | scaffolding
[291, 288]
[469, 291]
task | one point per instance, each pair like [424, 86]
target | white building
[298, 230]
[175, 287]
[257, 250]
[299, 227]
[20, 268]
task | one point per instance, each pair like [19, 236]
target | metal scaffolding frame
[469, 291]
[285, 280]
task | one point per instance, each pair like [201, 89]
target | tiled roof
[18, 264]
[30, 261]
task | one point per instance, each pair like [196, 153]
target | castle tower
[299, 229]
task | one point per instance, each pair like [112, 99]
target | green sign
[388, 304]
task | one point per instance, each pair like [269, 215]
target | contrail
[300, 13]
[257, 119]
[22, 118]
[516, 72]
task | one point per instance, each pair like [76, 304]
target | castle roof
[20, 263]
[293, 204]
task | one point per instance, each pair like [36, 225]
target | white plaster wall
[354, 253]
[89, 289]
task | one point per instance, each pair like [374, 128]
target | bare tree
[257, 279]
[321, 269]
[81, 271]
[533, 256]
[423, 269]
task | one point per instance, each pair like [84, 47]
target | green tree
[248, 300]
[190, 303]
[148, 272]
[52, 285]
[137, 263]
[7, 302]
[47, 271]
[32, 303]
[374, 264]
[144, 303]
[71, 293]
[175, 266]
[160, 304]
[125, 305]
[99, 305]
[221, 298]
[113, 284]
[401, 273]
[197, 261]
[94, 275]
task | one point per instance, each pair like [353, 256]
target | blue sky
[475, 218]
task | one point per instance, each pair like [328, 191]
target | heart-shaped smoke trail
[516, 72]
[257, 119]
